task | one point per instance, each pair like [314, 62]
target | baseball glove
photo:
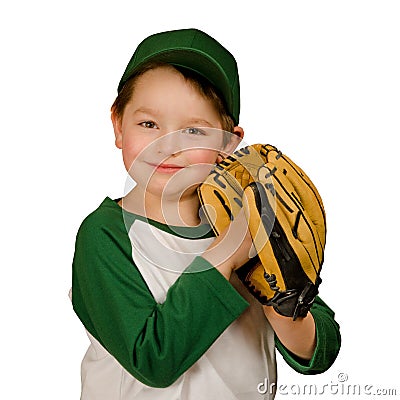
[286, 220]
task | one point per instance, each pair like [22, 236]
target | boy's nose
[169, 143]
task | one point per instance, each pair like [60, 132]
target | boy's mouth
[167, 168]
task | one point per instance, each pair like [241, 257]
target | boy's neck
[184, 212]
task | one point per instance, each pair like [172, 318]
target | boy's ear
[234, 141]
[116, 121]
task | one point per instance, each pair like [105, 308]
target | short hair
[202, 85]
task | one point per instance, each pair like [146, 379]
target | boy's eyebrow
[145, 110]
[191, 121]
[199, 122]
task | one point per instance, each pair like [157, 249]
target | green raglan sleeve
[154, 342]
[328, 342]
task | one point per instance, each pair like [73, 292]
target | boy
[155, 290]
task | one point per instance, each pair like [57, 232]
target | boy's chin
[158, 189]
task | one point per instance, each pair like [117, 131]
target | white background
[319, 79]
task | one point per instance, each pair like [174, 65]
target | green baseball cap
[196, 51]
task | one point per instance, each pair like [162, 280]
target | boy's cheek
[133, 147]
[203, 157]
[131, 154]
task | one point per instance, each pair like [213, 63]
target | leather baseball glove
[286, 220]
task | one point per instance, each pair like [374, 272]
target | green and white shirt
[165, 324]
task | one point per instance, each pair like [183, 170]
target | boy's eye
[148, 124]
[193, 131]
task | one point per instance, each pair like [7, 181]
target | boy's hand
[232, 248]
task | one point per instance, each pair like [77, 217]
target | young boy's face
[162, 149]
